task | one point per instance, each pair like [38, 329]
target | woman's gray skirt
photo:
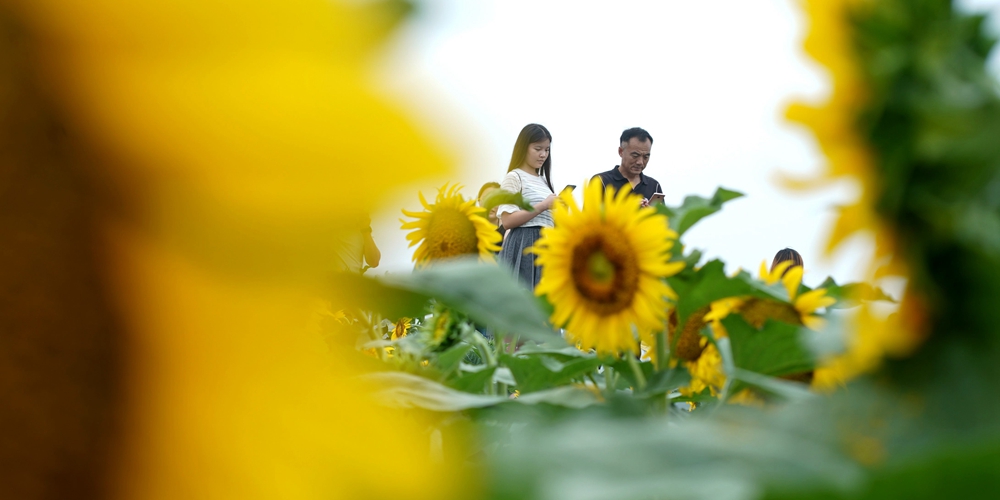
[522, 264]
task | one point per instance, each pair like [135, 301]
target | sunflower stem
[661, 350]
[640, 379]
[373, 333]
[609, 380]
[500, 345]
[484, 347]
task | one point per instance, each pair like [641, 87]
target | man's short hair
[637, 133]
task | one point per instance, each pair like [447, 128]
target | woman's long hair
[531, 133]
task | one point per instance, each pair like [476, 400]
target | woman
[529, 173]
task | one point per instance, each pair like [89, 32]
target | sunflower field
[172, 329]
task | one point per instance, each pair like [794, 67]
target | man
[354, 247]
[633, 148]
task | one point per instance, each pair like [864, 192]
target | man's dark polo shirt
[646, 186]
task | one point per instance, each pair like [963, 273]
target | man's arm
[371, 251]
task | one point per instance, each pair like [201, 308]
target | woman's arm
[510, 220]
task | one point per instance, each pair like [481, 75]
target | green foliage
[697, 288]
[775, 350]
[486, 293]
[501, 197]
[448, 361]
[852, 294]
[404, 390]
[696, 208]
[539, 371]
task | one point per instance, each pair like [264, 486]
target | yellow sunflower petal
[791, 280]
[230, 131]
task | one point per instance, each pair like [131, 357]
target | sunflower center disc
[757, 311]
[450, 233]
[605, 272]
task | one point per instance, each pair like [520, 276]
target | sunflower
[706, 372]
[689, 345]
[603, 269]
[441, 324]
[834, 123]
[401, 328]
[451, 227]
[800, 309]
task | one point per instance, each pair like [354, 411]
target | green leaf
[623, 368]
[475, 381]
[535, 372]
[696, 208]
[504, 376]
[853, 294]
[488, 294]
[782, 388]
[775, 350]
[664, 382]
[370, 294]
[568, 396]
[699, 288]
[657, 383]
[404, 390]
[561, 353]
[727, 456]
[501, 197]
[448, 361]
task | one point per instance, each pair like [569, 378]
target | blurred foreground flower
[187, 167]
[837, 126]
[603, 267]
[451, 227]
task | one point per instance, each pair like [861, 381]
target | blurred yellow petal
[235, 124]
[230, 397]
[217, 149]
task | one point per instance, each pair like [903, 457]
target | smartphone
[569, 187]
[656, 198]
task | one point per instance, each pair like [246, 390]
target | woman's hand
[546, 204]
[511, 220]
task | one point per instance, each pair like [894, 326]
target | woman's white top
[533, 189]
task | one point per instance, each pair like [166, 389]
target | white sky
[709, 80]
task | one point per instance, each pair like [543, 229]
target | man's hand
[645, 203]
[371, 251]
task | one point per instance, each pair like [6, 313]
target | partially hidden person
[484, 192]
[787, 254]
[355, 248]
